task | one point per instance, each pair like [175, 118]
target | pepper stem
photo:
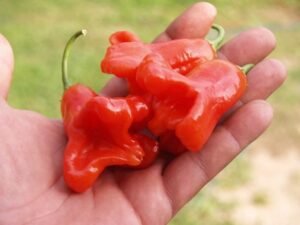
[246, 68]
[65, 79]
[216, 43]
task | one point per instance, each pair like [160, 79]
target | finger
[263, 80]
[6, 66]
[188, 173]
[195, 22]
[251, 46]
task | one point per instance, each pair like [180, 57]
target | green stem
[64, 65]
[246, 68]
[216, 43]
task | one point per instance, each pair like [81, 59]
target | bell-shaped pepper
[127, 52]
[101, 132]
[189, 107]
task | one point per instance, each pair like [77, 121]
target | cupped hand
[32, 190]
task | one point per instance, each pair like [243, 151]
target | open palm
[32, 190]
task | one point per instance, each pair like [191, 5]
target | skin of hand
[32, 190]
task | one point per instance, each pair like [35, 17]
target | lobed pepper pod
[126, 53]
[189, 88]
[178, 90]
[100, 132]
[187, 108]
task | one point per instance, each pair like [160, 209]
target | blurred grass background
[38, 31]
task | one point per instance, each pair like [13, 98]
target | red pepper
[189, 107]
[191, 89]
[99, 135]
[126, 53]
[179, 90]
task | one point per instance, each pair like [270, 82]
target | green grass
[38, 31]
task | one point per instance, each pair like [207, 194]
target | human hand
[32, 190]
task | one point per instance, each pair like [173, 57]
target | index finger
[195, 22]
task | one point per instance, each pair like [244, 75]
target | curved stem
[216, 43]
[246, 68]
[65, 58]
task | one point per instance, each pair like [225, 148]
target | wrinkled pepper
[99, 132]
[190, 88]
[178, 91]
[126, 53]
[188, 107]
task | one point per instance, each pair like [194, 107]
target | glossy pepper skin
[178, 90]
[188, 107]
[102, 131]
[127, 52]
[190, 88]
[99, 134]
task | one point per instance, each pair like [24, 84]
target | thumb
[6, 66]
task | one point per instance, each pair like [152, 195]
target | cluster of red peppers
[178, 90]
